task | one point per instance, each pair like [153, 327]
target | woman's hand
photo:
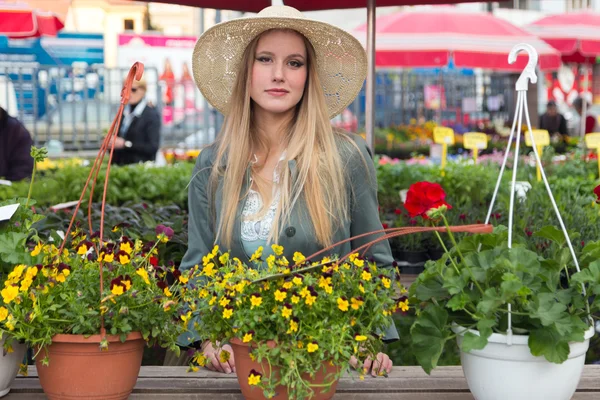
[382, 365]
[213, 355]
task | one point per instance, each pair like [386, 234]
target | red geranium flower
[424, 196]
[597, 193]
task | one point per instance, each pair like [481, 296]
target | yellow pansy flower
[343, 304]
[144, 274]
[298, 257]
[254, 378]
[3, 313]
[257, 254]
[312, 347]
[126, 247]
[255, 301]
[37, 249]
[286, 312]
[280, 295]
[227, 313]
[278, 250]
[247, 337]
[9, 293]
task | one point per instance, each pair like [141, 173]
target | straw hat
[341, 59]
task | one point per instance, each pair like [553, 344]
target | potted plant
[15, 232]
[522, 321]
[88, 303]
[293, 328]
[55, 304]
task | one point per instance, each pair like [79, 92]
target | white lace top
[255, 231]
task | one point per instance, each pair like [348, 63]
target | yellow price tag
[475, 141]
[541, 137]
[592, 140]
[442, 135]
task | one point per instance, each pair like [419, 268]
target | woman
[278, 173]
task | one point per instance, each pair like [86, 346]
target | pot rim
[68, 338]
[516, 339]
[254, 344]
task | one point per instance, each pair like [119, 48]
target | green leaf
[522, 259]
[548, 309]
[551, 233]
[429, 334]
[471, 341]
[589, 275]
[490, 301]
[458, 302]
[12, 247]
[548, 343]
[511, 284]
[453, 282]
[427, 286]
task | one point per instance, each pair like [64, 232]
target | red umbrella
[575, 35]
[234, 5]
[312, 5]
[19, 22]
[431, 37]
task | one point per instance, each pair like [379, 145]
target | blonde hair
[311, 141]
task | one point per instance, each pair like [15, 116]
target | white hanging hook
[529, 71]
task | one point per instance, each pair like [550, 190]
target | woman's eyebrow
[268, 53]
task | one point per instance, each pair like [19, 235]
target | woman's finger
[224, 366]
[231, 357]
[367, 365]
[214, 362]
[377, 364]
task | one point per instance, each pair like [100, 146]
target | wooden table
[404, 383]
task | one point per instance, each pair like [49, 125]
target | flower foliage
[60, 293]
[482, 279]
[323, 314]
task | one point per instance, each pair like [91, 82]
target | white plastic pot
[502, 372]
[9, 365]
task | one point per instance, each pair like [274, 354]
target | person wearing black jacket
[16, 162]
[553, 121]
[139, 134]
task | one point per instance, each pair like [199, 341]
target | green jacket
[298, 235]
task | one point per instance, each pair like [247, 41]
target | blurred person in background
[591, 120]
[553, 121]
[16, 162]
[139, 134]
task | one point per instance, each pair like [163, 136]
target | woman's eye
[263, 59]
[296, 64]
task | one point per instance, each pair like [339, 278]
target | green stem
[514, 312]
[447, 252]
[460, 254]
[462, 259]
[60, 320]
[31, 183]
[141, 305]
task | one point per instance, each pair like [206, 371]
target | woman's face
[279, 71]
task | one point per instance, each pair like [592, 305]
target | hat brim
[341, 59]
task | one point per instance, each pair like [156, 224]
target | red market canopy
[19, 22]
[233, 5]
[430, 38]
[313, 5]
[575, 35]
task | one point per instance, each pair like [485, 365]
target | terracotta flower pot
[80, 370]
[244, 364]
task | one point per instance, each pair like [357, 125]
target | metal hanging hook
[529, 70]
